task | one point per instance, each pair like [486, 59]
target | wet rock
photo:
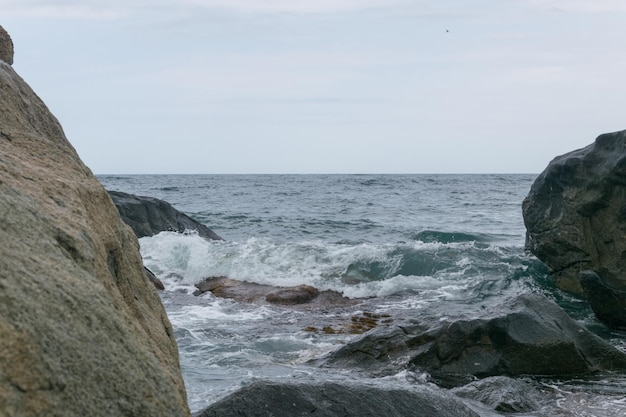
[292, 295]
[504, 394]
[248, 292]
[528, 336]
[82, 331]
[149, 216]
[158, 284]
[358, 324]
[333, 400]
[575, 214]
[608, 304]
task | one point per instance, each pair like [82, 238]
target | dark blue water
[436, 244]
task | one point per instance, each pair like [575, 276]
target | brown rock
[293, 295]
[82, 331]
[302, 296]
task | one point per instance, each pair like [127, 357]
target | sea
[396, 244]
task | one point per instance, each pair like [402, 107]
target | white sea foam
[356, 270]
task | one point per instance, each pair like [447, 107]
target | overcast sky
[324, 86]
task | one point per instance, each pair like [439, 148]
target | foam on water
[361, 270]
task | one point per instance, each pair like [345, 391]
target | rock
[6, 47]
[158, 284]
[149, 216]
[608, 304]
[358, 324]
[575, 214]
[333, 400]
[83, 333]
[249, 292]
[504, 394]
[292, 295]
[528, 336]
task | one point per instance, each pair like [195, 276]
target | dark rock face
[575, 214]
[149, 216]
[6, 47]
[529, 336]
[608, 304]
[333, 400]
[82, 331]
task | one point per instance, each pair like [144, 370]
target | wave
[452, 237]
[462, 269]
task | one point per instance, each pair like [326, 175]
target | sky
[324, 86]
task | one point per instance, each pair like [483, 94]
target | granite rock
[6, 47]
[83, 332]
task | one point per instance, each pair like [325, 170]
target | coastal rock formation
[528, 336]
[575, 214]
[82, 331]
[6, 47]
[262, 399]
[149, 216]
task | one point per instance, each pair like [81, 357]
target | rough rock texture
[149, 216]
[528, 336]
[6, 47]
[82, 331]
[608, 304]
[264, 399]
[575, 214]
[249, 292]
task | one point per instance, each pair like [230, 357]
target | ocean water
[398, 244]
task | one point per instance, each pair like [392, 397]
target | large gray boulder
[82, 331]
[149, 216]
[529, 335]
[575, 214]
[263, 399]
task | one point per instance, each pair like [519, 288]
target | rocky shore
[83, 333]
[574, 214]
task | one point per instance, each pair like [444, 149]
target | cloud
[61, 9]
[580, 6]
[113, 9]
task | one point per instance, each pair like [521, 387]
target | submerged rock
[504, 394]
[149, 216]
[82, 331]
[528, 336]
[334, 400]
[574, 214]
